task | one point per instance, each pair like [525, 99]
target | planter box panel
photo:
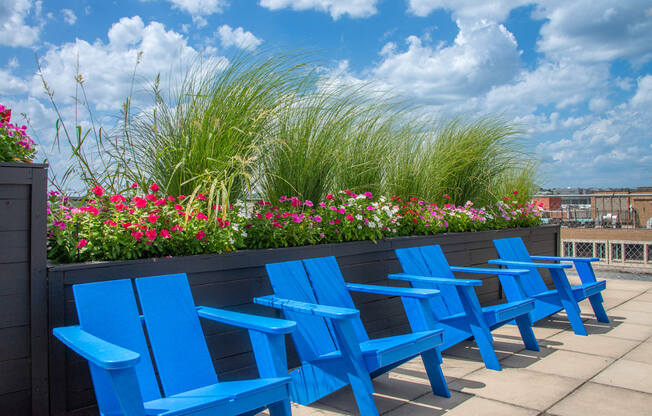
[12, 279]
[14, 343]
[17, 403]
[14, 191]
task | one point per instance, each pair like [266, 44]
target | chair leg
[432, 363]
[598, 308]
[527, 334]
[483, 340]
[363, 397]
[281, 408]
[568, 301]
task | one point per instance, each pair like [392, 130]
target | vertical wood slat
[23, 276]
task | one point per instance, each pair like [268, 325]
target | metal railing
[614, 252]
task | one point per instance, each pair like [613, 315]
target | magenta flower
[317, 218]
[82, 243]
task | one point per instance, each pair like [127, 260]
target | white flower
[358, 217]
[235, 227]
[244, 234]
[372, 224]
[359, 227]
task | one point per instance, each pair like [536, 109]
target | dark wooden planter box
[232, 280]
[23, 290]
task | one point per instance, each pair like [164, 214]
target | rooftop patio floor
[609, 372]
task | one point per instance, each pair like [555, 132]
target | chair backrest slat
[514, 249]
[312, 337]
[178, 344]
[330, 288]
[430, 261]
[109, 311]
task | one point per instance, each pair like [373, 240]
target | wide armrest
[333, 312]
[99, 352]
[559, 258]
[478, 270]
[436, 280]
[530, 264]
[258, 323]
[393, 291]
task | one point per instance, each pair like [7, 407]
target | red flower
[165, 233]
[178, 207]
[276, 224]
[137, 235]
[201, 197]
[515, 192]
[110, 222]
[151, 234]
[350, 217]
[6, 116]
[152, 217]
[154, 187]
[117, 198]
[134, 185]
[269, 215]
[181, 196]
[126, 225]
[151, 197]
[176, 228]
[202, 216]
[160, 202]
[82, 243]
[446, 196]
[171, 198]
[200, 235]
[98, 190]
[140, 202]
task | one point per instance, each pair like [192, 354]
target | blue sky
[576, 75]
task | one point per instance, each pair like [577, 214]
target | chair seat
[504, 312]
[221, 394]
[385, 351]
[580, 292]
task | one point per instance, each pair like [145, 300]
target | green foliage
[15, 144]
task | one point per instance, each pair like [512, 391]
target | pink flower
[515, 192]
[160, 202]
[119, 206]
[308, 203]
[446, 196]
[98, 190]
[110, 222]
[82, 243]
[137, 235]
[333, 208]
[117, 198]
[140, 202]
[323, 205]
[341, 210]
[200, 235]
[329, 196]
[151, 197]
[154, 187]
[201, 197]
[151, 234]
[349, 217]
[297, 219]
[181, 196]
[134, 185]
[317, 218]
[202, 216]
[152, 217]
[165, 233]
[368, 195]
[178, 207]
[370, 208]
[176, 228]
[171, 198]
[269, 215]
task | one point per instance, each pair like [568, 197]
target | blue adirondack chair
[458, 311]
[110, 336]
[331, 341]
[514, 254]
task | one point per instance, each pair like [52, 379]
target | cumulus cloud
[11, 84]
[107, 68]
[69, 16]
[467, 9]
[483, 54]
[596, 30]
[336, 8]
[199, 7]
[14, 31]
[237, 37]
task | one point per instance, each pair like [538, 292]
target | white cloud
[69, 16]
[643, 96]
[13, 29]
[10, 84]
[237, 37]
[198, 8]
[107, 68]
[336, 8]
[467, 9]
[483, 54]
[596, 30]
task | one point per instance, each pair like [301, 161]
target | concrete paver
[560, 362]
[594, 344]
[600, 400]
[627, 374]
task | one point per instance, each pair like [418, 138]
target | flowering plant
[152, 224]
[15, 144]
[135, 226]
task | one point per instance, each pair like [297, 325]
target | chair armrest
[530, 264]
[101, 353]
[333, 312]
[242, 320]
[559, 258]
[393, 291]
[478, 270]
[436, 280]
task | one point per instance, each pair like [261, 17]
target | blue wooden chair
[514, 254]
[458, 310]
[331, 341]
[110, 336]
